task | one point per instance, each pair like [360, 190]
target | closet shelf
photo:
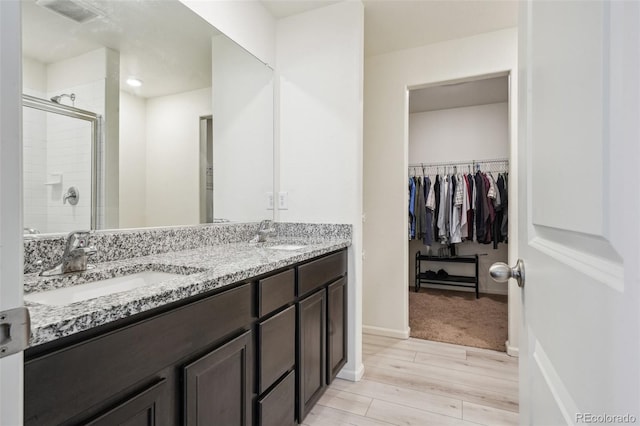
[451, 278]
[454, 259]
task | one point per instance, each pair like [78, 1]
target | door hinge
[15, 329]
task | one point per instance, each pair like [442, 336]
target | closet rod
[461, 163]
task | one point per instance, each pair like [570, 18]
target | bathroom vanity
[245, 335]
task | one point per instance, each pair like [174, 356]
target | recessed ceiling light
[134, 82]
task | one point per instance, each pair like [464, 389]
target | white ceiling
[169, 47]
[478, 92]
[163, 43]
[400, 24]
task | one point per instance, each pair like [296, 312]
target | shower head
[58, 98]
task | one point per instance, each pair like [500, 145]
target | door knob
[501, 272]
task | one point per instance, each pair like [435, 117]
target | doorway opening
[458, 183]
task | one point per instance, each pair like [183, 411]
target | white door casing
[579, 211]
[11, 367]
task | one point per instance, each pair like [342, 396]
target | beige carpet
[458, 317]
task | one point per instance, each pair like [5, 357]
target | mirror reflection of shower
[61, 151]
[58, 99]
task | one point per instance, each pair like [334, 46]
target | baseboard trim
[386, 332]
[513, 351]
[352, 375]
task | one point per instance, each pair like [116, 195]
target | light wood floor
[419, 382]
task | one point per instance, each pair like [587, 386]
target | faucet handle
[77, 239]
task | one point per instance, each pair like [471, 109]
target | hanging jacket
[436, 212]
[429, 206]
[412, 203]
[480, 210]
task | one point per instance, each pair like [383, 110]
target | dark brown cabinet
[336, 327]
[218, 386]
[322, 334]
[260, 352]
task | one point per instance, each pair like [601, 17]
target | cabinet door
[336, 328]
[141, 410]
[218, 386]
[312, 349]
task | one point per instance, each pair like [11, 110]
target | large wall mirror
[140, 113]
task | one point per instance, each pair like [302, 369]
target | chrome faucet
[265, 229]
[76, 253]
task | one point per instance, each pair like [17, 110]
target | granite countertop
[204, 269]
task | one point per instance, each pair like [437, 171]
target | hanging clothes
[429, 208]
[420, 209]
[443, 216]
[455, 207]
[412, 199]
[480, 208]
[504, 193]
[470, 211]
[436, 212]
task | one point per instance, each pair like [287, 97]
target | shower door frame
[96, 130]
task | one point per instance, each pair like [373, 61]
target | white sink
[77, 293]
[287, 247]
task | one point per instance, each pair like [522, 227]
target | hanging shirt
[420, 209]
[470, 212]
[490, 212]
[412, 201]
[444, 209]
[464, 229]
[436, 211]
[480, 210]
[502, 189]
[429, 207]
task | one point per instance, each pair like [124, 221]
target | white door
[11, 383]
[579, 211]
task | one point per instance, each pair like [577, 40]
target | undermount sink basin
[77, 293]
[287, 247]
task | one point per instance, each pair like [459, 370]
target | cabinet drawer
[277, 407]
[276, 291]
[277, 350]
[322, 271]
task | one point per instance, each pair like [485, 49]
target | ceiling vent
[75, 10]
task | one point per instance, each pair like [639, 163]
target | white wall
[242, 133]
[11, 248]
[133, 161]
[461, 134]
[320, 65]
[247, 23]
[173, 162]
[387, 79]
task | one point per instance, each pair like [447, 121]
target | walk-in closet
[458, 212]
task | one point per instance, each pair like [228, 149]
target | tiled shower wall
[59, 145]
